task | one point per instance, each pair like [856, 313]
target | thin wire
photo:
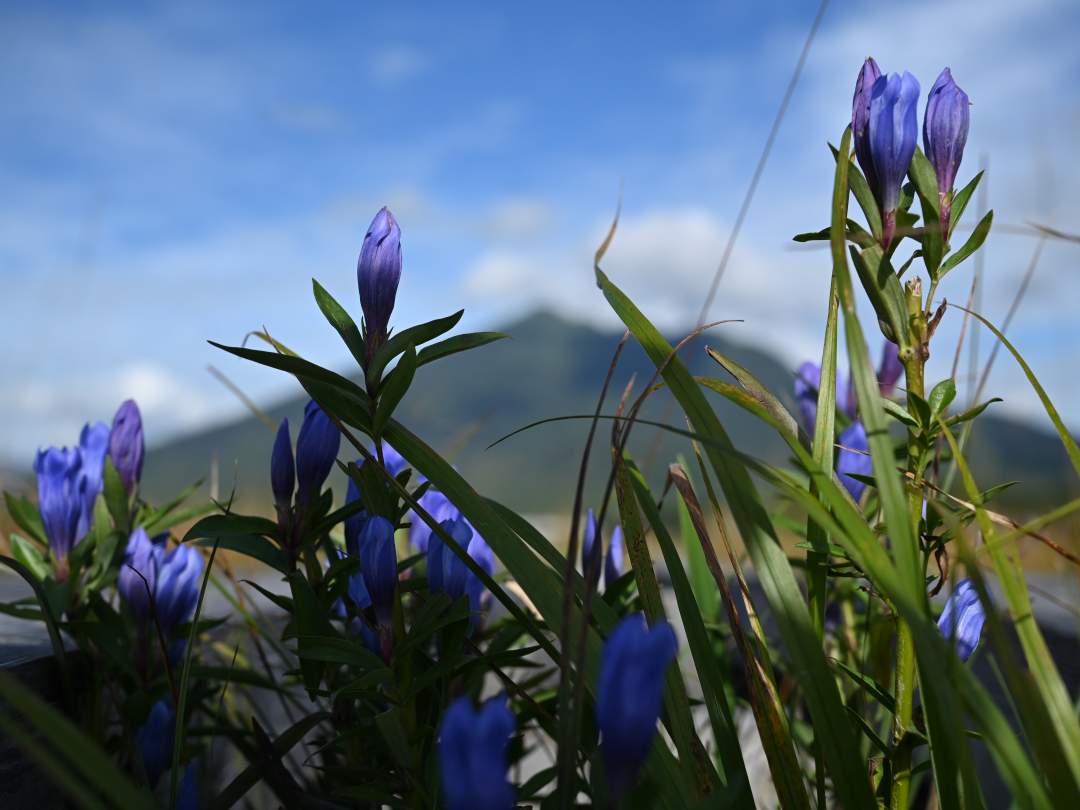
[762, 160]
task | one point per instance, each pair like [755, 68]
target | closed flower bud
[179, 578]
[613, 562]
[378, 271]
[589, 540]
[439, 507]
[629, 693]
[154, 740]
[354, 524]
[962, 619]
[378, 560]
[282, 468]
[316, 450]
[136, 580]
[860, 118]
[438, 555]
[473, 755]
[126, 447]
[853, 458]
[945, 131]
[93, 444]
[61, 496]
[890, 370]
[893, 129]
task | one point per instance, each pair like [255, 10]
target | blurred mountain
[551, 367]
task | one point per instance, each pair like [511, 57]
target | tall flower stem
[904, 688]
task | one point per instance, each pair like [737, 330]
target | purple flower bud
[893, 130]
[439, 507]
[137, 579]
[93, 444]
[378, 559]
[849, 461]
[628, 696]
[860, 118]
[440, 559]
[187, 797]
[61, 497]
[154, 740]
[282, 467]
[393, 461]
[455, 574]
[378, 271]
[354, 524]
[962, 619]
[891, 369]
[126, 445]
[179, 578]
[480, 551]
[945, 131]
[613, 562]
[588, 541]
[316, 450]
[473, 755]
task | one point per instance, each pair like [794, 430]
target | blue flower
[61, 498]
[613, 562]
[378, 560]
[893, 129]
[393, 461]
[439, 507]
[962, 619]
[945, 131]
[94, 445]
[137, 579]
[378, 271]
[179, 578]
[316, 450]
[154, 740]
[849, 461]
[588, 540]
[807, 385]
[187, 797]
[860, 118]
[282, 468]
[126, 447]
[459, 529]
[473, 755]
[891, 369]
[628, 696]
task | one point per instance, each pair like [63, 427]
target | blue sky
[180, 172]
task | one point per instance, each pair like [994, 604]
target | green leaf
[942, 396]
[394, 388]
[960, 202]
[116, 497]
[28, 554]
[455, 344]
[973, 243]
[923, 176]
[26, 516]
[341, 321]
[972, 412]
[231, 525]
[413, 336]
[251, 545]
[883, 289]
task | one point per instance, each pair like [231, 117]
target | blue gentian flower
[378, 271]
[613, 562]
[354, 524]
[478, 594]
[848, 461]
[137, 579]
[439, 507]
[860, 118]
[154, 740]
[962, 619]
[891, 369]
[807, 386]
[893, 130]
[437, 553]
[316, 450]
[589, 539]
[473, 755]
[187, 795]
[282, 469]
[126, 446]
[61, 498]
[179, 578]
[629, 694]
[945, 131]
[393, 461]
[378, 559]
[94, 445]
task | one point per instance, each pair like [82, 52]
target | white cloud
[398, 63]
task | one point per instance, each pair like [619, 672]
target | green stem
[905, 648]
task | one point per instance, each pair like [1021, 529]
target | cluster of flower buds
[69, 479]
[613, 559]
[448, 573]
[159, 585]
[885, 128]
[316, 450]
